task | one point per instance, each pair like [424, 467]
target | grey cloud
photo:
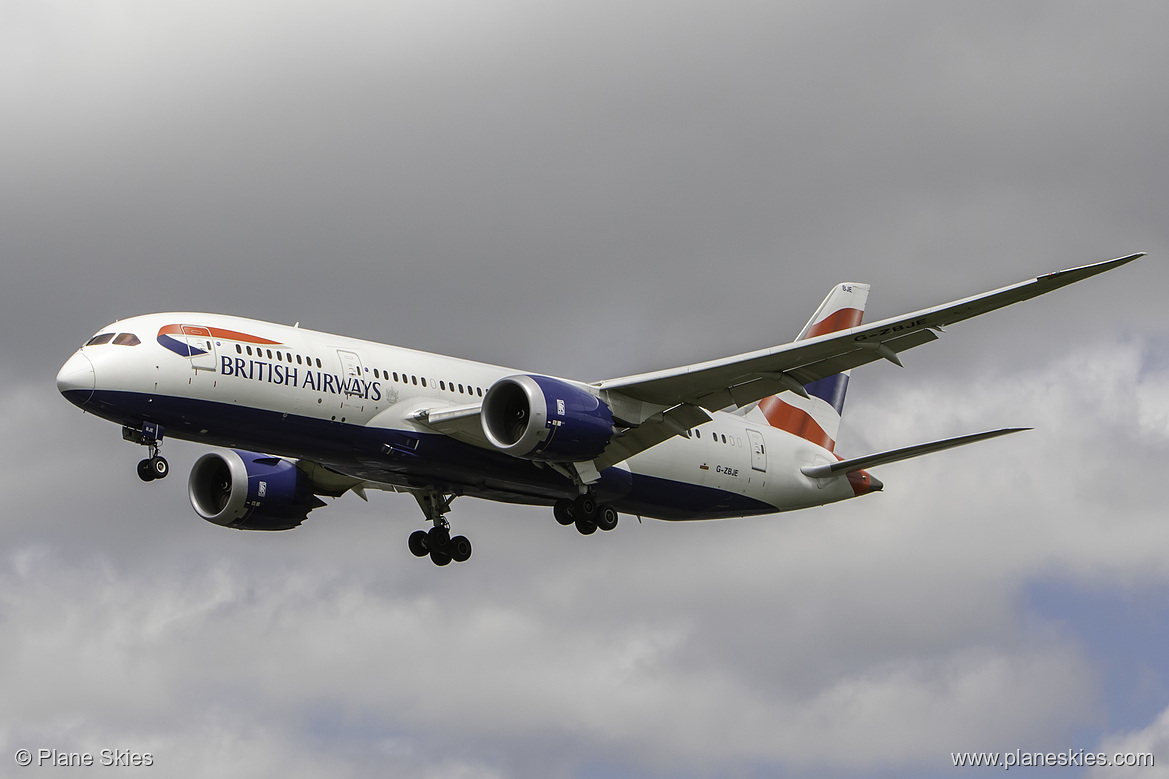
[592, 192]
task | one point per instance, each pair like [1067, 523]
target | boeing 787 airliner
[303, 414]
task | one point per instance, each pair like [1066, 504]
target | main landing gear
[149, 435]
[437, 541]
[585, 513]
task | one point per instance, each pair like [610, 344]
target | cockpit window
[126, 339]
[97, 340]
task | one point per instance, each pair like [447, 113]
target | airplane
[303, 415]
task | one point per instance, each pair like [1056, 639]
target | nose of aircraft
[75, 379]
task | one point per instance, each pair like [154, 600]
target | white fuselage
[352, 405]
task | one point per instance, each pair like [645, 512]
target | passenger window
[460, 389]
[298, 359]
[98, 340]
[441, 384]
[239, 349]
[127, 339]
[724, 438]
[423, 381]
[414, 380]
[249, 350]
[480, 391]
[318, 362]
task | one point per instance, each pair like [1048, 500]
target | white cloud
[1137, 745]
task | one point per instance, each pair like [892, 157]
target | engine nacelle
[250, 491]
[539, 418]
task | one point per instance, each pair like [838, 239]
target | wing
[653, 407]
[746, 378]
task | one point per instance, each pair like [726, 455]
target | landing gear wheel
[586, 505]
[438, 539]
[160, 466]
[418, 543]
[586, 526]
[146, 470]
[439, 558]
[460, 549]
[607, 518]
[565, 511]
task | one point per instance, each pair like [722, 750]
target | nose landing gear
[149, 435]
[154, 467]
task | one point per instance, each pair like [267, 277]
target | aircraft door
[201, 347]
[758, 451]
[352, 378]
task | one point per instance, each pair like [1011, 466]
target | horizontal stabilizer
[895, 455]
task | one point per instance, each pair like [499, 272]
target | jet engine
[540, 418]
[250, 491]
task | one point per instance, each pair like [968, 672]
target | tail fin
[817, 417]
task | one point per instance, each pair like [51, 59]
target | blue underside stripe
[408, 459]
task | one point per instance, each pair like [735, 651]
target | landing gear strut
[149, 435]
[437, 541]
[585, 513]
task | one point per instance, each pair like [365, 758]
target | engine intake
[540, 418]
[250, 491]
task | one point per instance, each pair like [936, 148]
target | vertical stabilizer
[817, 417]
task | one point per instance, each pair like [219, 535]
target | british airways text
[286, 375]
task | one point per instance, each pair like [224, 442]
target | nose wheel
[149, 435]
[152, 468]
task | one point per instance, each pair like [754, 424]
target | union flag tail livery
[303, 415]
[814, 415]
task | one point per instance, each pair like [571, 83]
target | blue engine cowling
[250, 491]
[540, 418]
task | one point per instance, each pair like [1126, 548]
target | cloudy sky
[592, 190]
